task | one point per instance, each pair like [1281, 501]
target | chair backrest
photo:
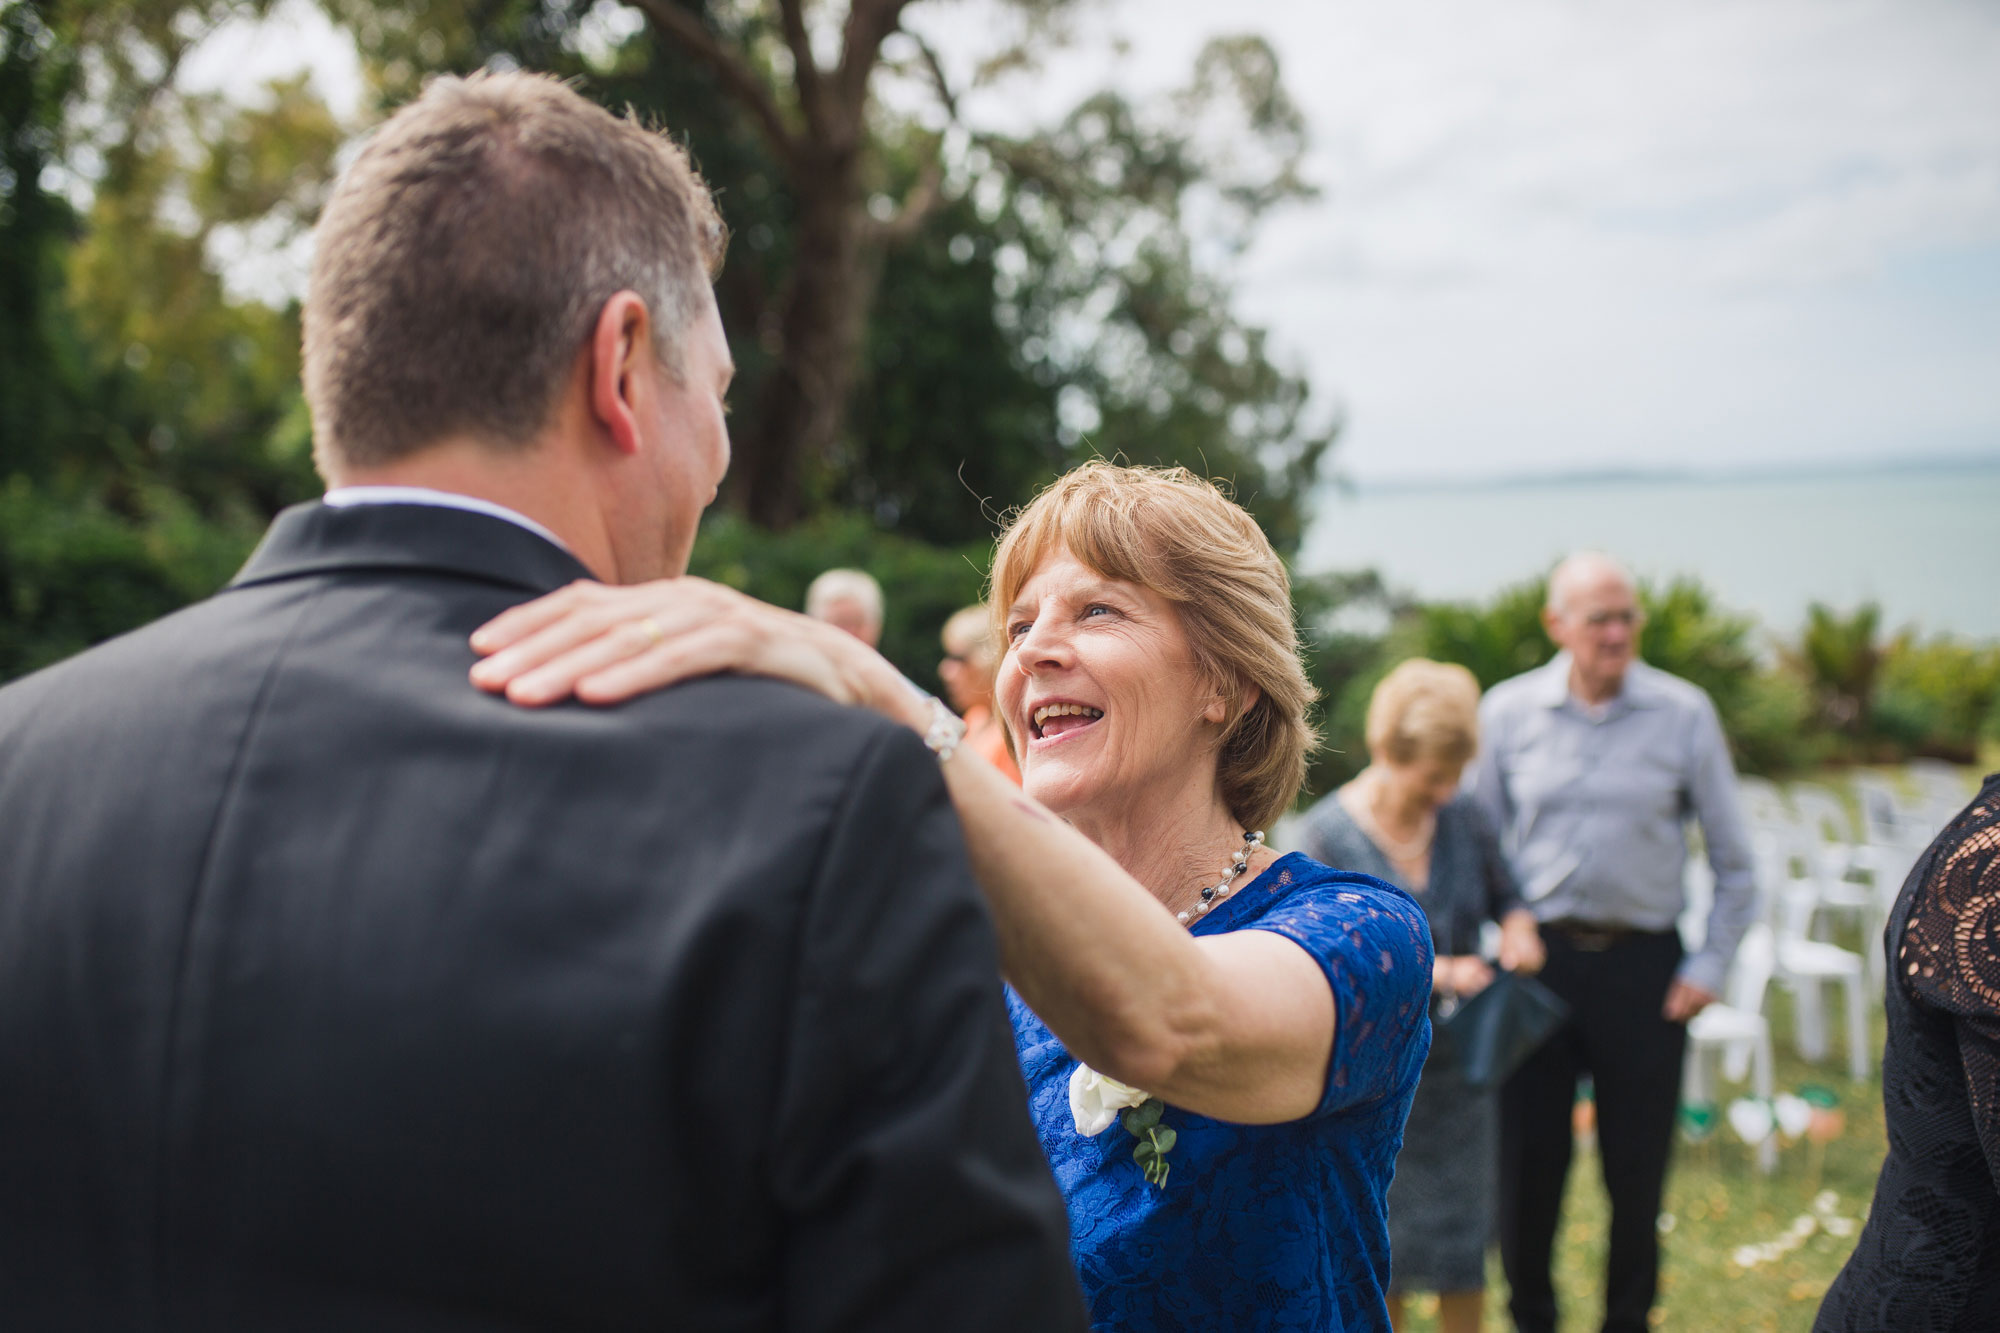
[1771, 852]
[1884, 821]
[1821, 814]
[1763, 804]
[1944, 790]
[1750, 971]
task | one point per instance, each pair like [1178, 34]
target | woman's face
[1099, 680]
[1427, 783]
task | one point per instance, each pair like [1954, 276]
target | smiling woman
[1256, 1024]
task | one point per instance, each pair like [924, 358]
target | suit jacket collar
[322, 539]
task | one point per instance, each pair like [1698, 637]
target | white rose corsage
[1095, 1101]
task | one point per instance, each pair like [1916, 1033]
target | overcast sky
[1561, 234]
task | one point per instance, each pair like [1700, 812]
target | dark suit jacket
[335, 993]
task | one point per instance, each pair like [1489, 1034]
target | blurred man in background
[849, 599]
[1591, 767]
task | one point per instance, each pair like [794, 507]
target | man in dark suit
[335, 993]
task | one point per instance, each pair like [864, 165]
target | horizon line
[1612, 476]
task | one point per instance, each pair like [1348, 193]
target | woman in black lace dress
[1929, 1259]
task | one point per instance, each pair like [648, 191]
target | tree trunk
[822, 312]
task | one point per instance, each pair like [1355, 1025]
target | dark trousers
[1615, 1034]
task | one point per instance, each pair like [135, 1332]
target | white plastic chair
[1736, 1030]
[1763, 805]
[1886, 818]
[1943, 790]
[1834, 862]
[1803, 965]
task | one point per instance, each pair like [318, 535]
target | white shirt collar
[340, 497]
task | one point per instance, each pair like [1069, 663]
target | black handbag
[1493, 1031]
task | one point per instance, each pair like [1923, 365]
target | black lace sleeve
[1950, 958]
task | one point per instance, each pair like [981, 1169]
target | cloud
[1562, 234]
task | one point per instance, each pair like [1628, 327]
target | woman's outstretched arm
[1237, 1027]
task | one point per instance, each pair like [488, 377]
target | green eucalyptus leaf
[1164, 1139]
[1145, 1115]
[1144, 1154]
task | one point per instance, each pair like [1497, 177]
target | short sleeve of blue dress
[1278, 1227]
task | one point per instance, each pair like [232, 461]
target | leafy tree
[926, 325]
[1097, 275]
[38, 373]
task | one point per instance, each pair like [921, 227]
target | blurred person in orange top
[967, 672]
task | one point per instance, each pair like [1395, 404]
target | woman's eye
[1017, 629]
[1095, 608]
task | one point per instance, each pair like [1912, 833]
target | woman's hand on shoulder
[604, 644]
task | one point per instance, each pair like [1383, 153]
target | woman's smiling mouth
[1053, 721]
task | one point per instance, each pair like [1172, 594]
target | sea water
[1923, 544]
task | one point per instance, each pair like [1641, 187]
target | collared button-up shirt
[1592, 805]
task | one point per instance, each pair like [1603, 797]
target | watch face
[946, 729]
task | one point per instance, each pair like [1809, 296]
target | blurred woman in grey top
[1401, 820]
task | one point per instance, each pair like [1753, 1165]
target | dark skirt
[1441, 1202]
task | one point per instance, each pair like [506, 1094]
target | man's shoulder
[115, 663]
[1517, 694]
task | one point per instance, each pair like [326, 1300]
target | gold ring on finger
[654, 634]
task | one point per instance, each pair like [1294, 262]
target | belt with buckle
[1591, 937]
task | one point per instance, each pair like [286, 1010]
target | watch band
[945, 730]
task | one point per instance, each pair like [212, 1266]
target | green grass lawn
[1719, 1203]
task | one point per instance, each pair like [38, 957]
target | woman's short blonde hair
[1424, 710]
[1170, 531]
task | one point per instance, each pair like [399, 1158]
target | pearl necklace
[1239, 861]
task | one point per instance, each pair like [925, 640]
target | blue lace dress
[1259, 1226]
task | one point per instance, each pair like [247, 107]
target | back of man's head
[465, 255]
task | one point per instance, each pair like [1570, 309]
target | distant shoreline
[1586, 478]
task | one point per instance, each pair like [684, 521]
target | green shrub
[921, 584]
[1839, 657]
[1937, 696]
[73, 573]
[1765, 711]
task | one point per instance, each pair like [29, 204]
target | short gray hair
[1578, 565]
[464, 257]
[845, 585]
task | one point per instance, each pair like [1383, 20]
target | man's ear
[620, 350]
[1551, 619]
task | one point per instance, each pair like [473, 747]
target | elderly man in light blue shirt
[1591, 767]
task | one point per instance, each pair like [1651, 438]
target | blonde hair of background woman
[1424, 710]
